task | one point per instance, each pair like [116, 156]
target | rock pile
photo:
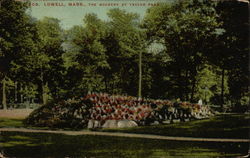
[110, 111]
[101, 110]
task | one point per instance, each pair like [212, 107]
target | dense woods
[185, 50]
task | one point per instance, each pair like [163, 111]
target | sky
[73, 15]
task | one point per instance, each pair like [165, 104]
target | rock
[167, 121]
[198, 116]
[91, 124]
[94, 124]
[126, 124]
[97, 124]
[110, 124]
[176, 120]
[155, 123]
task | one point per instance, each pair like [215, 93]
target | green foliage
[103, 56]
[187, 29]
[124, 42]
[30, 91]
[208, 84]
[190, 50]
[50, 55]
[234, 48]
[85, 56]
[17, 36]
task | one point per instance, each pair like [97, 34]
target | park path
[130, 135]
[15, 113]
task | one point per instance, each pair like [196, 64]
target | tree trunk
[222, 87]
[45, 95]
[21, 96]
[193, 88]
[140, 75]
[180, 86]
[186, 85]
[4, 99]
[27, 98]
[44, 89]
[16, 91]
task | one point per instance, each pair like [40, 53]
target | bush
[71, 113]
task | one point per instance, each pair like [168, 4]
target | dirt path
[130, 135]
[15, 113]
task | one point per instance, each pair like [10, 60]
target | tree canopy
[183, 50]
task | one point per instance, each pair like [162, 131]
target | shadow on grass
[221, 126]
[41, 145]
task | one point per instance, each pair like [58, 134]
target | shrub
[71, 113]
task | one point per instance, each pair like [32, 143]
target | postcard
[124, 78]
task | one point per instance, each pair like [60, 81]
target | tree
[233, 47]
[209, 84]
[124, 44]
[16, 30]
[49, 60]
[85, 56]
[187, 29]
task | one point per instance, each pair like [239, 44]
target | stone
[91, 124]
[155, 123]
[97, 124]
[167, 121]
[176, 120]
[110, 124]
[200, 102]
[126, 124]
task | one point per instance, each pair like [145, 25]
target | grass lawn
[221, 126]
[9, 122]
[41, 145]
